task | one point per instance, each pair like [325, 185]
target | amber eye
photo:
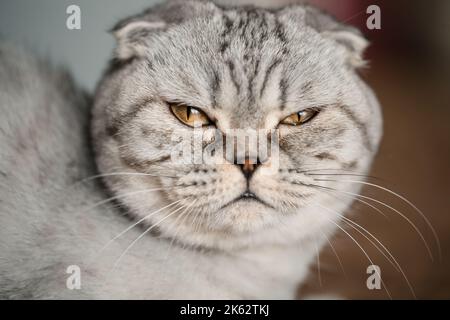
[190, 116]
[301, 117]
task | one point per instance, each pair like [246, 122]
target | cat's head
[292, 70]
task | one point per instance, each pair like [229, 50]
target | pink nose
[248, 168]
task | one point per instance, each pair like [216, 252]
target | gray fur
[246, 67]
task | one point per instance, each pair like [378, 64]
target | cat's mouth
[247, 196]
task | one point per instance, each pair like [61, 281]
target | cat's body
[45, 227]
[50, 221]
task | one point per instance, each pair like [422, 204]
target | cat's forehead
[244, 62]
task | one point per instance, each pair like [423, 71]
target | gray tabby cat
[160, 229]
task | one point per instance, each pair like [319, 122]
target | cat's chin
[247, 199]
[246, 215]
[241, 225]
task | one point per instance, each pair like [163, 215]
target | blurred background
[410, 72]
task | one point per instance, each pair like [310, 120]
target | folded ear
[132, 37]
[133, 34]
[353, 41]
[347, 36]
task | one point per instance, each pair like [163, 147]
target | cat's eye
[189, 115]
[300, 117]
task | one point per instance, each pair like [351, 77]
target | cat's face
[282, 70]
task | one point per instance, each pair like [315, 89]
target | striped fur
[247, 68]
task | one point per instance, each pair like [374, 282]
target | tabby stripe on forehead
[280, 32]
[232, 68]
[258, 46]
[264, 30]
[228, 25]
[215, 86]
[283, 93]
[283, 85]
[359, 124]
[243, 25]
[269, 71]
[251, 82]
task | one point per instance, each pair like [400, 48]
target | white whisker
[136, 223]
[335, 253]
[124, 195]
[184, 214]
[330, 192]
[389, 207]
[391, 258]
[111, 174]
[394, 261]
[436, 237]
[359, 246]
[318, 264]
[116, 263]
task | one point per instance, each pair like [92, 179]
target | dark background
[410, 72]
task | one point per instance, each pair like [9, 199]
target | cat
[138, 225]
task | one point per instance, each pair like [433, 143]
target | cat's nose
[248, 167]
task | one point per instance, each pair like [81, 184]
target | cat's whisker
[185, 245]
[387, 206]
[183, 216]
[436, 237]
[335, 253]
[391, 258]
[196, 226]
[123, 195]
[116, 263]
[357, 227]
[318, 264]
[173, 170]
[111, 174]
[344, 175]
[292, 204]
[368, 204]
[336, 172]
[136, 223]
[313, 168]
[359, 246]
[358, 200]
